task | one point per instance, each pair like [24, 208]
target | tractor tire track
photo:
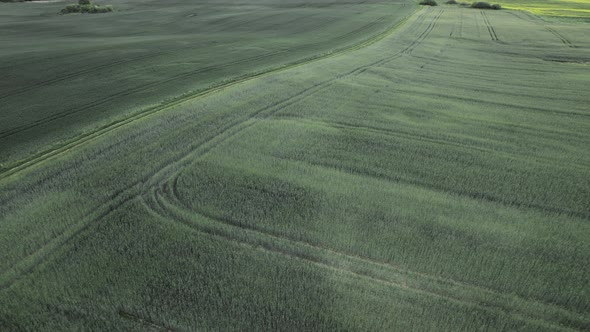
[425, 33]
[156, 54]
[561, 37]
[489, 26]
[158, 202]
[407, 50]
[461, 19]
[233, 128]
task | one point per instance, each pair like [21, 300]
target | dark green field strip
[296, 37]
[184, 36]
[87, 71]
[166, 51]
[23, 164]
[105, 101]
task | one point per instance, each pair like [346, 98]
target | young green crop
[432, 180]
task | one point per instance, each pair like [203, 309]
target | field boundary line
[265, 112]
[147, 86]
[38, 158]
[118, 62]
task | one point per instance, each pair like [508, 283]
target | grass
[431, 172]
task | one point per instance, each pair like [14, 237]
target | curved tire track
[163, 201]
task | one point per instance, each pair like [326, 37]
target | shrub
[485, 5]
[83, 2]
[428, 3]
[105, 9]
[71, 9]
[452, 2]
[86, 8]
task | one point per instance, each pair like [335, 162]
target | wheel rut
[164, 202]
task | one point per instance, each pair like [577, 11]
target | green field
[90, 71]
[579, 9]
[377, 166]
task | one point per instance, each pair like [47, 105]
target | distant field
[430, 177]
[64, 75]
[557, 8]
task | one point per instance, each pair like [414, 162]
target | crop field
[402, 168]
[93, 70]
[579, 9]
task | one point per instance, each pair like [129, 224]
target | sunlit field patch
[558, 8]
